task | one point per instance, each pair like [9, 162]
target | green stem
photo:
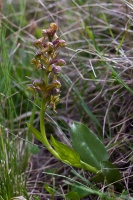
[89, 167]
[42, 129]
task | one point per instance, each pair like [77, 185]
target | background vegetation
[96, 90]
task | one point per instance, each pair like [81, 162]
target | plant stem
[89, 167]
[42, 129]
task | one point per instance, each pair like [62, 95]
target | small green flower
[46, 61]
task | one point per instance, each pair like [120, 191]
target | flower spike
[45, 59]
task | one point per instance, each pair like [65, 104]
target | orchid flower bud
[50, 32]
[54, 26]
[37, 63]
[61, 43]
[56, 83]
[38, 54]
[56, 69]
[55, 91]
[38, 43]
[50, 46]
[61, 62]
[38, 82]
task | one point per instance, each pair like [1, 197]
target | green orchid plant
[87, 151]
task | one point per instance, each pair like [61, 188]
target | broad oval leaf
[112, 174]
[110, 171]
[99, 177]
[88, 145]
[67, 154]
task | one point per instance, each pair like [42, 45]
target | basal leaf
[82, 193]
[98, 178]
[110, 171]
[36, 133]
[88, 145]
[72, 196]
[67, 154]
[112, 174]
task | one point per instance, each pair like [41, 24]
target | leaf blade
[112, 174]
[36, 133]
[67, 154]
[88, 145]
